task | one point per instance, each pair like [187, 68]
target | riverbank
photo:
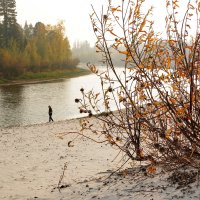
[32, 160]
[30, 78]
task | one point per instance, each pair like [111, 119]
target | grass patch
[48, 75]
[69, 73]
[2, 80]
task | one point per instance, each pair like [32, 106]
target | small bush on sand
[156, 94]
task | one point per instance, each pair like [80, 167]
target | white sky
[75, 13]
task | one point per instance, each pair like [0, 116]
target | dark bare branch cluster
[150, 107]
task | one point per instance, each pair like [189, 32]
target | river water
[28, 104]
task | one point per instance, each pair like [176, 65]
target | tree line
[31, 48]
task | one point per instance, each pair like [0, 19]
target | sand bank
[32, 160]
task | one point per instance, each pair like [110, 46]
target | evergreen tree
[8, 18]
[28, 31]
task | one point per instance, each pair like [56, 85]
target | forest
[31, 49]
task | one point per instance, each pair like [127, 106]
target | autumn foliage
[157, 96]
[39, 48]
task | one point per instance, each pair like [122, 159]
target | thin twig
[62, 176]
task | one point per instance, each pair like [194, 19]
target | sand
[32, 159]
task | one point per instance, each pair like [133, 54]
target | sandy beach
[32, 159]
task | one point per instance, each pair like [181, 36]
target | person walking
[50, 114]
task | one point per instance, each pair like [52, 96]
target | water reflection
[11, 104]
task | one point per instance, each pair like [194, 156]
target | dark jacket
[50, 110]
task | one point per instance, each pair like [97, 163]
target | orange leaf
[175, 4]
[130, 14]
[112, 33]
[142, 25]
[121, 99]
[181, 111]
[116, 9]
[151, 170]
[93, 68]
[172, 41]
[168, 63]
[156, 103]
[141, 66]
[174, 87]
[189, 47]
[173, 100]
[141, 152]
[168, 133]
[124, 52]
[162, 77]
[142, 97]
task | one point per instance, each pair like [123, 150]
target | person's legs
[50, 118]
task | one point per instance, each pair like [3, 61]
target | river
[28, 104]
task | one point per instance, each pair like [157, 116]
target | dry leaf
[151, 169]
[124, 52]
[69, 144]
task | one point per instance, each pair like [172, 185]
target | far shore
[33, 81]
[33, 78]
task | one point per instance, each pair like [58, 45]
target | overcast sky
[75, 13]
